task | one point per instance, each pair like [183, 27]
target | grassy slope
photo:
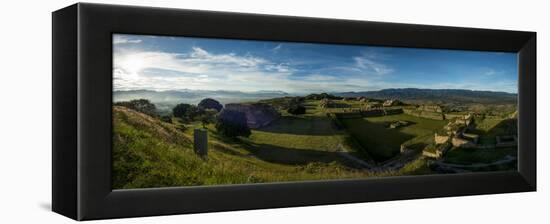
[488, 129]
[383, 142]
[472, 156]
[150, 153]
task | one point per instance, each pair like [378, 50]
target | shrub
[316, 96]
[296, 109]
[140, 105]
[207, 117]
[295, 106]
[186, 111]
[166, 118]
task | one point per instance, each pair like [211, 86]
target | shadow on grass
[300, 125]
[504, 127]
[418, 146]
[293, 156]
[380, 142]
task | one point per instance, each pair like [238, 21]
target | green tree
[186, 111]
[166, 118]
[295, 106]
[296, 109]
[208, 117]
[209, 103]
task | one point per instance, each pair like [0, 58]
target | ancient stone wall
[451, 116]
[440, 139]
[368, 113]
[430, 112]
[348, 115]
[431, 108]
[460, 142]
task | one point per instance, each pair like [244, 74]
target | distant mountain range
[411, 95]
[438, 95]
[195, 96]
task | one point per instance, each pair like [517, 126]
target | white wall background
[25, 112]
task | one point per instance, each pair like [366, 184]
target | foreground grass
[148, 153]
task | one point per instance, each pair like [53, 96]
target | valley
[318, 136]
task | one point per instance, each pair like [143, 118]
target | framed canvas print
[167, 111]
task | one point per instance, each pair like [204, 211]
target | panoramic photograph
[204, 111]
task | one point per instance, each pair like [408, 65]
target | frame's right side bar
[527, 121]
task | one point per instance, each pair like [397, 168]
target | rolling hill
[414, 95]
[150, 153]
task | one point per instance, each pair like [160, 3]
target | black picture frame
[82, 98]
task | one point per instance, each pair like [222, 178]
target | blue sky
[175, 63]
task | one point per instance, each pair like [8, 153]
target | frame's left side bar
[64, 111]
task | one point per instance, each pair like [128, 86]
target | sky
[177, 63]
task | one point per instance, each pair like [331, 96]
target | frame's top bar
[183, 22]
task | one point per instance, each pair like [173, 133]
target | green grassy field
[383, 142]
[150, 153]
[471, 156]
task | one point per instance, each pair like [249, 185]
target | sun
[132, 64]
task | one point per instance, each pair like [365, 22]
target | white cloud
[202, 69]
[118, 39]
[319, 77]
[277, 48]
[198, 69]
[278, 67]
[370, 66]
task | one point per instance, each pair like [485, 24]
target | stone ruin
[431, 108]
[373, 106]
[455, 131]
[398, 124]
[426, 111]
[257, 114]
[392, 102]
[436, 150]
[453, 135]
[327, 103]
[461, 142]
